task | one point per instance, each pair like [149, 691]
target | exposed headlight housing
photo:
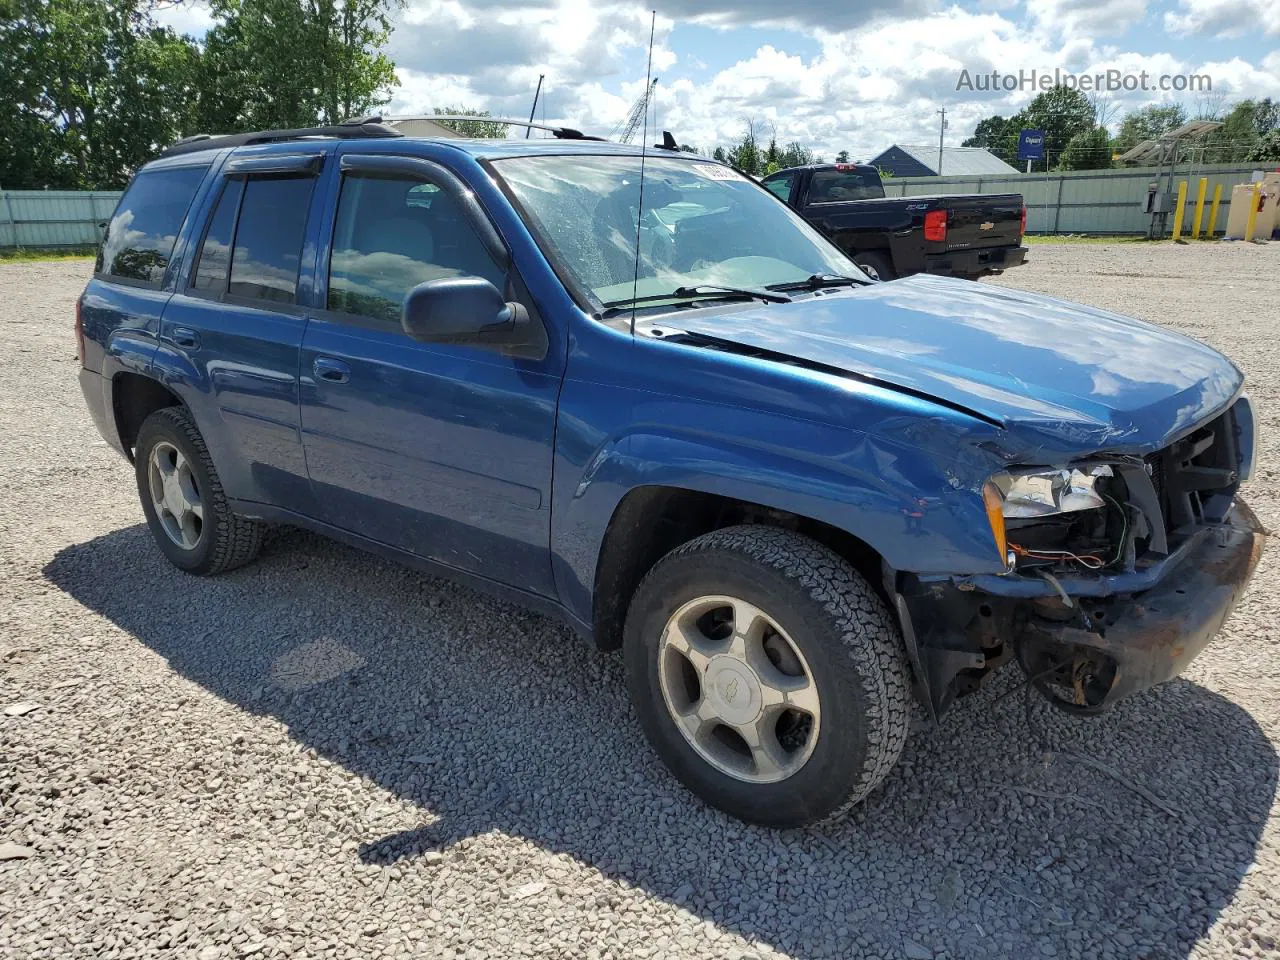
[1041, 493]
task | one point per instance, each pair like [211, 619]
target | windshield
[703, 224]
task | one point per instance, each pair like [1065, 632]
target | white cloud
[878, 80]
[1073, 18]
[821, 15]
[489, 55]
[191, 18]
[1224, 18]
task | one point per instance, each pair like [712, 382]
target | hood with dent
[1061, 375]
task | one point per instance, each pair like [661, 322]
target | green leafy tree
[89, 89]
[842, 156]
[997, 135]
[719, 153]
[294, 63]
[1242, 131]
[772, 158]
[796, 156]
[481, 130]
[1087, 150]
[1267, 149]
[1149, 123]
[1061, 113]
[745, 155]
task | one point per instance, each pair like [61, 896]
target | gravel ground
[327, 755]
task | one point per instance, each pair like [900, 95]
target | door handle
[185, 337]
[331, 371]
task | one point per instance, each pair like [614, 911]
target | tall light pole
[942, 126]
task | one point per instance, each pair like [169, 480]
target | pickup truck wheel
[183, 500]
[875, 265]
[768, 675]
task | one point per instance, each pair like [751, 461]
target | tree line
[1076, 135]
[755, 155]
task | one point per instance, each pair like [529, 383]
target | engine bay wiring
[1090, 561]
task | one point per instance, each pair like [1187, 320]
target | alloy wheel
[175, 495]
[739, 689]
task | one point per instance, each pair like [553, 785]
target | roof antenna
[644, 141]
[528, 130]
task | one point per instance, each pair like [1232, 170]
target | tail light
[1022, 229]
[935, 225]
[79, 334]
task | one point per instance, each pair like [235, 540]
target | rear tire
[183, 500]
[823, 639]
[875, 265]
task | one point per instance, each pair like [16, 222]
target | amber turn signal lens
[995, 516]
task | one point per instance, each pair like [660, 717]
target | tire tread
[866, 628]
[237, 539]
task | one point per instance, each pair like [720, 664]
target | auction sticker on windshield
[713, 171]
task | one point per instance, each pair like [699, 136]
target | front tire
[183, 500]
[875, 265]
[768, 675]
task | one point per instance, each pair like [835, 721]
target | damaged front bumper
[1115, 636]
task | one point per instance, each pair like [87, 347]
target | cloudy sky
[833, 74]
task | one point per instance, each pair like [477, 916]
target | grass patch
[1049, 239]
[31, 254]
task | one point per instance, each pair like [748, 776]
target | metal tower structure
[625, 131]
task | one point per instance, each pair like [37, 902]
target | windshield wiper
[699, 291]
[818, 281]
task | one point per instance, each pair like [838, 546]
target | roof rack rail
[560, 133]
[361, 128]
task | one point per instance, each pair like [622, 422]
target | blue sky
[833, 74]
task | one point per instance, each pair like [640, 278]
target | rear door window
[142, 232]
[267, 251]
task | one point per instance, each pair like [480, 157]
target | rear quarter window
[142, 232]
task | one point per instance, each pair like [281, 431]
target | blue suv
[635, 391]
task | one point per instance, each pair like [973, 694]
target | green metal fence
[49, 219]
[1085, 201]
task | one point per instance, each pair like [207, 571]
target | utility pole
[533, 109]
[942, 126]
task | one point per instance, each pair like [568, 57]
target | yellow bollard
[1253, 211]
[1213, 212]
[1180, 210]
[1199, 217]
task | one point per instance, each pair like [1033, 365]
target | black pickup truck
[961, 236]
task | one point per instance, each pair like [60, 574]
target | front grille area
[1196, 478]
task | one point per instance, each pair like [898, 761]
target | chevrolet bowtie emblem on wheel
[986, 226]
[731, 691]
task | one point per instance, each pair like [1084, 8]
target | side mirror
[460, 310]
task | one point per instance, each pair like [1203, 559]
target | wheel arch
[134, 397]
[652, 520]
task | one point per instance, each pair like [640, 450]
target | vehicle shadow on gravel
[991, 836]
